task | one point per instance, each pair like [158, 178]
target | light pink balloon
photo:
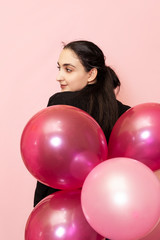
[61, 144]
[58, 217]
[153, 235]
[136, 135]
[121, 199]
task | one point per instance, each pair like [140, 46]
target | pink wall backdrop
[31, 36]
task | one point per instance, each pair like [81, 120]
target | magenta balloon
[61, 144]
[136, 135]
[59, 216]
[121, 199]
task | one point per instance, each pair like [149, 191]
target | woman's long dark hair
[91, 56]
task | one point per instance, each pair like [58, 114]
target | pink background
[31, 34]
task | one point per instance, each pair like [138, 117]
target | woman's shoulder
[67, 98]
[122, 108]
[61, 96]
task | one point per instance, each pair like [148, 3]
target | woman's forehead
[67, 56]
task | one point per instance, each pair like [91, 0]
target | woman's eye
[68, 70]
[58, 68]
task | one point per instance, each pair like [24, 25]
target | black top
[79, 101]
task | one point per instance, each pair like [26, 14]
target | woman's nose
[60, 76]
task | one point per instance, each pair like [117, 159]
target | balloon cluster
[60, 145]
[65, 148]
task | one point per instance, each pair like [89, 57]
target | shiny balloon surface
[136, 134]
[59, 217]
[121, 199]
[61, 144]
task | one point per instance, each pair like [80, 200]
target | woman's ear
[92, 76]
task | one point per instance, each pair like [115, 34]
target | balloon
[61, 144]
[136, 135]
[121, 199]
[59, 216]
[153, 235]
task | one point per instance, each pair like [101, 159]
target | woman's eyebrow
[66, 64]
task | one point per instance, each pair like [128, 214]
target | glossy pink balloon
[121, 199]
[61, 144]
[153, 235]
[59, 216]
[136, 135]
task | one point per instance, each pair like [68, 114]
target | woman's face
[72, 75]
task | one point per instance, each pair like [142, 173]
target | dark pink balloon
[121, 199]
[59, 216]
[136, 135]
[61, 144]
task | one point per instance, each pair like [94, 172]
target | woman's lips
[63, 86]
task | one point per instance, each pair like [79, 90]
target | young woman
[86, 83]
